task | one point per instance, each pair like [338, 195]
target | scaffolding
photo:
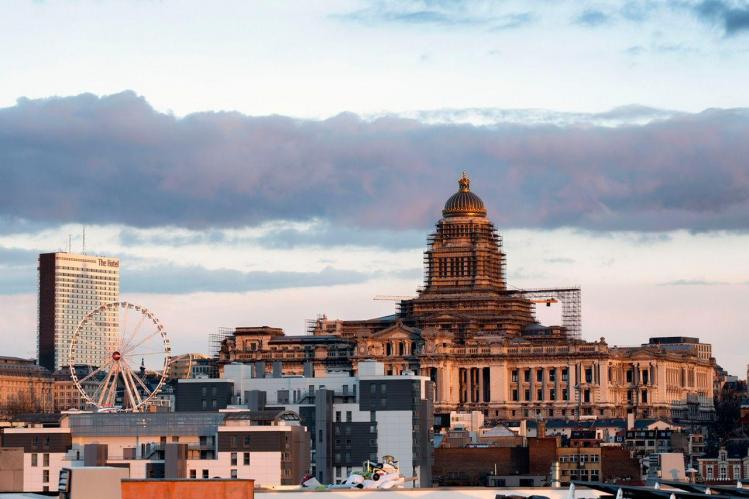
[480, 257]
[215, 340]
[571, 306]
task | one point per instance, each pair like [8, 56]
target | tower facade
[70, 286]
[465, 288]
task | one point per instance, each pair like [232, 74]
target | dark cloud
[592, 18]
[318, 234]
[114, 159]
[731, 16]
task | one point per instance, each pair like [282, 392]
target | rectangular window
[527, 394]
[234, 474]
[539, 375]
[565, 374]
[45, 476]
[45, 459]
[552, 375]
[337, 416]
[514, 375]
[527, 375]
[588, 374]
[540, 394]
[515, 395]
[246, 460]
[348, 416]
[193, 473]
[34, 460]
[205, 473]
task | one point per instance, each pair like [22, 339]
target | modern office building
[352, 419]
[70, 286]
[267, 446]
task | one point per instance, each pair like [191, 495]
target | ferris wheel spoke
[105, 385]
[129, 389]
[125, 314]
[140, 382]
[104, 336]
[138, 354]
[136, 392]
[131, 348]
[91, 374]
[126, 343]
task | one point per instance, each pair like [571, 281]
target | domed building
[479, 343]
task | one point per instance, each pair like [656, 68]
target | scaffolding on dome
[571, 306]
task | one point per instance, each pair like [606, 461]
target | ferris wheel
[121, 340]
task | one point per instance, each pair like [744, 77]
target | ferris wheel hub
[116, 356]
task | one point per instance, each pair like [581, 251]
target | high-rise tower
[70, 286]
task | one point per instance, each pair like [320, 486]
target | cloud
[592, 18]
[174, 279]
[731, 16]
[695, 282]
[179, 279]
[450, 14]
[115, 160]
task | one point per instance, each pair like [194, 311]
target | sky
[265, 162]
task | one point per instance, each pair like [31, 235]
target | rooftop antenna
[70, 240]
[83, 244]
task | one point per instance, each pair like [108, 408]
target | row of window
[580, 458]
[35, 460]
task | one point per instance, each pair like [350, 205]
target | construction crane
[393, 297]
[547, 301]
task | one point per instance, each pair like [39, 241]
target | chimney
[541, 429]
[260, 369]
[277, 368]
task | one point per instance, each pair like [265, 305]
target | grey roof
[151, 424]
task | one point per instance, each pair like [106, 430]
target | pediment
[397, 331]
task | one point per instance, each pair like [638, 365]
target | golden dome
[464, 203]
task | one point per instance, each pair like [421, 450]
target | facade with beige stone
[479, 342]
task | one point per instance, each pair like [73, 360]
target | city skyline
[292, 162]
